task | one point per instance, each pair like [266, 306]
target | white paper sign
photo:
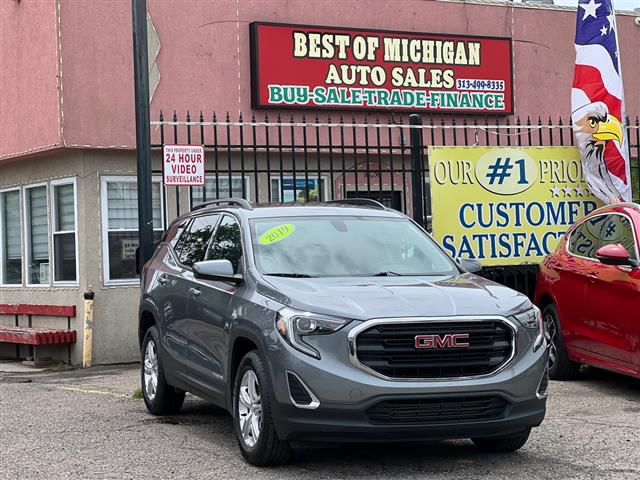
[183, 165]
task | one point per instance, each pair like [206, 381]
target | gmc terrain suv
[335, 322]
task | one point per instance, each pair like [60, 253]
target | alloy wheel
[250, 408]
[150, 370]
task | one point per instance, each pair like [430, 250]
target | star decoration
[612, 21]
[603, 31]
[567, 190]
[579, 191]
[555, 191]
[590, 9]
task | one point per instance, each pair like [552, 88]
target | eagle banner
[597, 103]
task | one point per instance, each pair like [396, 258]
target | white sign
[129, 249]
[183, 165]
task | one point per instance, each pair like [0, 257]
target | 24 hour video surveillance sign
[301, 66]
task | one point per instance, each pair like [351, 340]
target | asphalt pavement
[86, 424]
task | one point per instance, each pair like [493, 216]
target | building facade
[68, 211]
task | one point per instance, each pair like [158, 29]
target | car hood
[383, 297]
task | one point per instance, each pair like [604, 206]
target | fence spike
[253, 117]
[188, 118]
[161, 116]
[341, 119]
[240, 117]
[291, 119]
[201, 117]
[228, 118]
[266, 118]
[279, 119]
[175, 116]
[213, 119]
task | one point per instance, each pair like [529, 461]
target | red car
[589, 293]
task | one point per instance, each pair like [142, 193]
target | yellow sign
[506, 205]
[277, 233]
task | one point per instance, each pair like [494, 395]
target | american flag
[597, 102]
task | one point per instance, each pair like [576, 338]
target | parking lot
[86, 424]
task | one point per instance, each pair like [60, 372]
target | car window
[193, 244]
[618, 230]
[173, 233]
[227, 244]
[346, 246]
[585, 238]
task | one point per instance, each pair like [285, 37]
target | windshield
[330, 246]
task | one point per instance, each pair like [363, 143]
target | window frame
[20, 221]
[53, 184]
[322, 178]
[247, 187]
[26, 257]
[104, 224]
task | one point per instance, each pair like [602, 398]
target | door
[168, 292]
[190, 248]
[210, 315]
[613, 296]
[574, 269]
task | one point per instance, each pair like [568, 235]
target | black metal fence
[276, 159]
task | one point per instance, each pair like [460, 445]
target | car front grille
[440, 410]
[390, 349]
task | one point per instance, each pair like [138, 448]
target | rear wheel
[255, 431]
[159, 397]
[560, 366]
[510, 443]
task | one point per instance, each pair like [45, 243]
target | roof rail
[237, 202]
[366, 202]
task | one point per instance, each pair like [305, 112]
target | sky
[617, 4]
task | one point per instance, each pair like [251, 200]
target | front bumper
[345, 393]
[350, 423]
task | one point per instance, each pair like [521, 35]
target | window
[120, 226]
[64, 232]
[618, 229]
[218, 187]
[584, 240]
[192, 246]
[10, 238]
[286, 190]
[333, 246]
[37, 235]
[227, 244]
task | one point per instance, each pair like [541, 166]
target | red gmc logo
[442, 341]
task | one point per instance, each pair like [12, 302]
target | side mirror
[220, 270]
[469, 264]
[615, 254]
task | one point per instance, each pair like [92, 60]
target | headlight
[533, 319]
[294, 326]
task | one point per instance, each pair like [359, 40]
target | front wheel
[159, 397]
[502, 444]
[253, 422]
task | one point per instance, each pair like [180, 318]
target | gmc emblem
[442, 341]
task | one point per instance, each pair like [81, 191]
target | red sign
[296, 66]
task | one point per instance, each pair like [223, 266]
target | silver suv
[336, 322]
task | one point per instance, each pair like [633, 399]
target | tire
[165, 399]
[502, 444]
[265, 448]
[560, 366]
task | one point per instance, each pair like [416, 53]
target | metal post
[87, 337]
[143, 141]
[417, 164]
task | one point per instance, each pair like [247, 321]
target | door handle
[162, 280]
[194, 291]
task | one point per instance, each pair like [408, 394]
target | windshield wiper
[387, 274]
[291, 275]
